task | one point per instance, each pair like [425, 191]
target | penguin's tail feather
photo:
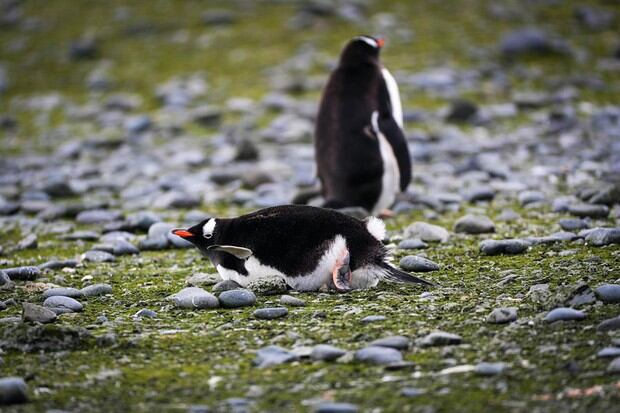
[396, 275]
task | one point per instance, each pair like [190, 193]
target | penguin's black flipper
[394, 135]
[394, 274]
[239, 252]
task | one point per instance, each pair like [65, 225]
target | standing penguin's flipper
[395, 136]
[341, 273]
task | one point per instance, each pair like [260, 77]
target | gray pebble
[440, 338]
[614, 366]
[63, 303]
[23, 273]
[195, 298]
[201, 279]
[270, 313]
[530, 197]
[58, 264]
[502, 315]
[225, 285]
[474, 224]
[589, 210]
[489, 369]
[372, 319]
[333, 407]
[564, 314]
[292, 301]
[13, 390]
[326, 352]
[609, 352]
[98, 256]
[417, 264]
[270, 285]
[96, 289]
[81, 236]
[610, 324]
[603, 236]
[273, 355]
[395, 342]
[412, 244]
[153, 244]
[145, 312]
[378, 355]
[123, 247]
[28, 242]
[573, 224]
[63, 291]
[36, 313]
[504, 246]
[237, 298]
[427, 232]
[411, 392]
[98, 216]
[608, 293]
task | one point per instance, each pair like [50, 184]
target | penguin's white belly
[390, 181]
[361, 278]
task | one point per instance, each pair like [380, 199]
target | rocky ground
[121, 120]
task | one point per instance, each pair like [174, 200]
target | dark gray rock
[395, 342]
[98, 256]
[603, 236]
[373, 319]
[63, 291]
[153, 244]
[589, 210]
[609, 352]
[474, 224]
[333, 407]
[478, 194]
[160, 229]
[614, 366]
[225, 285]
[417, 264]
[145, 313]
[143, 220]
[502, 315]
[292, 301]
[489, 369]
[137, 124]
[237, 298]
[271, 285]
[195, 298]
[573, 224]
[504, 246]
[461, 110]
[608, 293]
[58, 264]
[81, 236]
[564, 314]
[427, 232]
[412, 244]
[13, 390]
[38, 314]
[531, 197]
[63, 303]
[85, 48]
[326, 352]
[530, 40]
[273, 355]
[270, 313]
[30, 241]
[96, 290]
[378, 355]
[98, 216]
[5, 281]
[440, 338]
[22, 273]
[508, 215]
[122, 247]
[411, 392]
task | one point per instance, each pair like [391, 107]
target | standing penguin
[309, 247]
[361, 153]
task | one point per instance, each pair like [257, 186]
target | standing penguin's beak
[183, 233]
[380, 42]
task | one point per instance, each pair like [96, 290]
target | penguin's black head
[202, 235]
[361, 50]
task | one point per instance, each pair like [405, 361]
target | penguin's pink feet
[341, 274]
[387, 213]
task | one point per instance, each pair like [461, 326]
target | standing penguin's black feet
[341, 275]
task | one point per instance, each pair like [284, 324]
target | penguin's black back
[293, 238]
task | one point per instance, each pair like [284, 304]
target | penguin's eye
[207, 236]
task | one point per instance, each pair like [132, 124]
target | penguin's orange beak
[182, 233]
[380, 42]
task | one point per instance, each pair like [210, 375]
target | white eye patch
[372, 42]
[208, 228]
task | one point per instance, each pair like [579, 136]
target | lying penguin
[362, 156]
[309, 247]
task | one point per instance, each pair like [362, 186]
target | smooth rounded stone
[270, 285]
[81, 236]
[508, 215]
[96, 290]
[143, 220]
[225, 285]
[326, 352]
[160, 229]
[63, 303]
[194, 297]
[29, 242]
[417, 264]
[38, 314]
[609, 352]
[98, 216]
[573, 224]
[333, 407]
[63, 291]
[531, 197]
[4, 279]
[292, 301]
[203, 279]
[270, 313]
[564, 314]
[273, 355]
[504, 246]
[98, 256]
[145, 312]
[614, 366]
[137, 124]
[58, 264]
[440, 338]
[609, 325]
[153, 244]
[608, 293]
[373, 319]
[237, 298]
[411, 392]
[474, 224]
[378, 355]
[530, 40]
[412, 244]
[489, 369]
[122, 247]
[28, 273]
[461, 110]
[603, 236]
[13, 390]
[502, 315]
[395, 342]
[589, 210]
[427, 232]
